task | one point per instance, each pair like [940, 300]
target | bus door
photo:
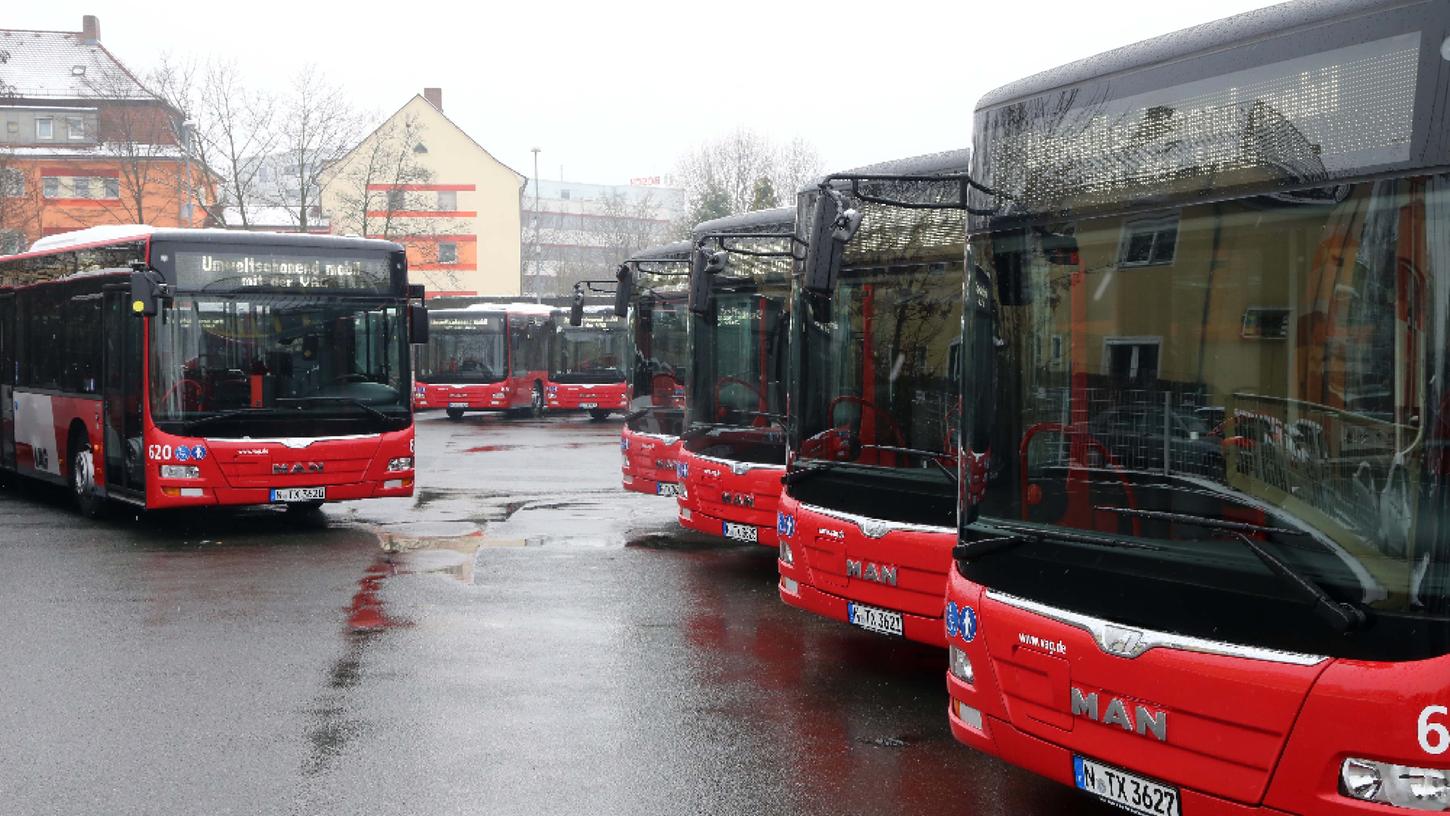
[7, 380]
[121, 366]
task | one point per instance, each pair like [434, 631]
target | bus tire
[455, 414]
[598, 414]
[536, 400]
[303, 507]
[82, 476]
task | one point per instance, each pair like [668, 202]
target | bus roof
[1212, 36]
[677, 251]
[118, 233]
[927, 164]
[779, 219]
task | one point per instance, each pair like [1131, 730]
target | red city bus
[1205, 557]
[178, 368]
[732, 452]
[485, 357]
[587, 363]
[868, 512]
[651, 291]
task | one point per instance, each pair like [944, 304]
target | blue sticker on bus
[198, 453]
[961, 621]
[183, 453]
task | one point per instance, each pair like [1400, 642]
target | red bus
[485, 357]
[732, 453]
[868, 511]
[587, 363]
[652, 289]
[1205, 558]
[178, 368]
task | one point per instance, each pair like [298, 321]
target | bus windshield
[463, 349]
[224, 365]
[661, 351]
[1266, 369]
[588, 354]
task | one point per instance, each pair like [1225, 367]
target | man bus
[868, 513]
[587, 363]
[179, 368]
[651, 293]
[732, 453]
[1205, 557]
[485, 357]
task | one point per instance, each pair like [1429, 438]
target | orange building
[84, 143]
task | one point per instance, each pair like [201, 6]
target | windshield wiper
[1202, 521]
[1015, 535]
[354, 401]
[1342, 617]
[805, 472]
[930, 456]
[193, 424]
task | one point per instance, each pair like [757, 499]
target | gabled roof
[61, 65]
[441, 115]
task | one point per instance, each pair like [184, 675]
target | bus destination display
[211, 270]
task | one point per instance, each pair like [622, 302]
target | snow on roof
[92, 235]
[104, 150]
[61, 65]
[778, 219]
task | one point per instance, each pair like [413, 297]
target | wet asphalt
[521, 637]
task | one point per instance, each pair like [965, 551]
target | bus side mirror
[707, 265]
[623, 291]
[417, 291]
[417, 324]
[147, 291]
[576, 309]
[831, 228]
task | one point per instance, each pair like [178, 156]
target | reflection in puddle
[451, 555]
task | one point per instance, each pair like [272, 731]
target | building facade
[84, 143]
[418, 179]
[575, 231]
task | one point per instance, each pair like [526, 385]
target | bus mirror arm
[148, 290]
[417, 324]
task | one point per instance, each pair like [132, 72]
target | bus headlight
[786, 556]
[1398, 785]
[180, 472]
[401, 463]
[960, 664]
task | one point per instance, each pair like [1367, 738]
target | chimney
[434, 97]
[90, 29]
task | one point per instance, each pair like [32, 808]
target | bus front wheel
[598, 414]
[455, 414]
[83, 477]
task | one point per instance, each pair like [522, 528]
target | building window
[12, 182]
[75, 128]
[44, 129]
[447, 201]
[50, 186]
[1149, 241]
[447, 253]
[12, 126]
[1132, 362]
[564, 194]
[10, 242]
[396, 200]
[81, 187]
[111, 188]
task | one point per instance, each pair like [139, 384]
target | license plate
[667, 489]
[297, 494]
[881, 621]
[1130, 792]
[457, 405]
[588, 405]
[740, 532]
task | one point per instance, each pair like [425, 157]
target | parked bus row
[1137, 408]
[522, 359]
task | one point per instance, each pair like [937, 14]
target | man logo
[1116, 713]
[867, 571]
[284, 469]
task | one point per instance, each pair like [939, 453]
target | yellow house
[418, 179]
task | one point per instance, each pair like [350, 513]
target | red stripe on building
[78, 170]
[423, 214]
[442, 267]
[461, 188]
[452, 294]
[426, 239]
[82, 202]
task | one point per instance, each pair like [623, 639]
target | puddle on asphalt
[443, 550]
[552, 446]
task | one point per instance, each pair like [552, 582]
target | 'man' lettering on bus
[1116, 712]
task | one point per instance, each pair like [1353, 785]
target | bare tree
[20, 204]
[233, 135]
[317, 127]
[743, 171]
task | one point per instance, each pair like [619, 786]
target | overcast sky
[615, 90]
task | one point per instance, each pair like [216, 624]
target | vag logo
[867, 571]
[284, 468]
[1140, 719]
